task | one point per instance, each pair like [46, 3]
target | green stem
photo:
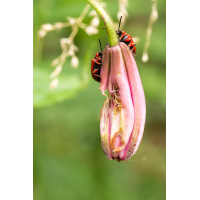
[112, 36]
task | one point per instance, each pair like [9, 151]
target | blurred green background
[69, 162]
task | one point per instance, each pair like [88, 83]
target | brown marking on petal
[117, 143]
[105, 130]
[105, 145]
[119, 74]
[117, 103]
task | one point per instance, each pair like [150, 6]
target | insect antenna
[120, 22]
[100, 45]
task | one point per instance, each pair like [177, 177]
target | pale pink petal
[122, 117]
[138, 100]
[105, 69]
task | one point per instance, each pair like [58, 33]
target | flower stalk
[112, 37]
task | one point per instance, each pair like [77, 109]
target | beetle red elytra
[126, 38]
[96, 64]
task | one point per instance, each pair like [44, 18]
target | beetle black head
[119, 32]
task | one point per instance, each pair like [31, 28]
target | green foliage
[43, 96]
[69, 84]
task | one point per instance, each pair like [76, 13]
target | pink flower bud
[124, 111]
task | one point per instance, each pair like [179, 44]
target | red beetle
[126, 38]
[96, 65]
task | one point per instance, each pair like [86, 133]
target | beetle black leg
[97, 75]
[95, 71]
[98, 63]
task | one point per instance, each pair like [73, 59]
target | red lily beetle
[96, 64]
[126, 38]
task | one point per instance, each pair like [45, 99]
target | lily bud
[124, 111]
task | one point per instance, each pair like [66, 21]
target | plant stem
[112, 36]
